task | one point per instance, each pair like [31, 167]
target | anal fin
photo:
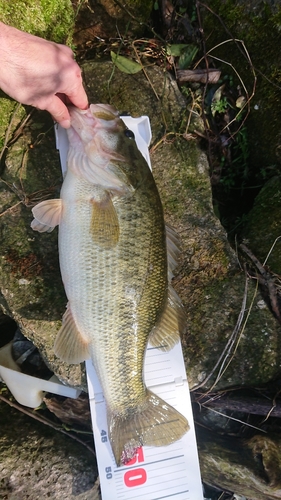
[166, 333]
[70, 345]
[173, 249]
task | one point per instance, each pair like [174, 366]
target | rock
[250, 468]
[263, 225]
[38, 462]
[31, 287]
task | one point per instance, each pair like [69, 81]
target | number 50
[135, 477]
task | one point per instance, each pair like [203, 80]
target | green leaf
[124, 64]
[176, 49]
[187, 56]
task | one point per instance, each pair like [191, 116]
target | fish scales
[117, 293]
[113, 260]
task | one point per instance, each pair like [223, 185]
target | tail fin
[154, 423]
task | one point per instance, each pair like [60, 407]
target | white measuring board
[166, 472]
[156, 473]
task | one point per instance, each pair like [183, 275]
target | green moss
[263, 225]
[52, 19]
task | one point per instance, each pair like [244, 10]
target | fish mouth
[99, 111]
[85, 124]
[104, 111]
[94, 135]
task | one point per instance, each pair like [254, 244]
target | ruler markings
[121, 469]
[151, 490]
[152, 452]
[174, 468]
[173, 495]
[156, 474]
[181, 495]
[155, 488]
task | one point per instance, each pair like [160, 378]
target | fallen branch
[243, 404]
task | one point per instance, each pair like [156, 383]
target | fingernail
[65, 123]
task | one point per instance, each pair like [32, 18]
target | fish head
[100, 137]
[94, 129]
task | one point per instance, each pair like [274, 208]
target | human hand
[40, 73]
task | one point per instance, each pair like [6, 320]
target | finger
[77, 94]
[79, 98]
[58, 111]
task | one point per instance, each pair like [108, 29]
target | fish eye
[128, 133]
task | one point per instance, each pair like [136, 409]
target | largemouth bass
[114, 267]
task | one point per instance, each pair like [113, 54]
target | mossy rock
[264, 227]
[39, 462]
[32, 291]
[251, 468]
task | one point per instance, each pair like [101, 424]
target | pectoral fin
[166, 333]
[70, 345]
[104, 223]
[47, 215]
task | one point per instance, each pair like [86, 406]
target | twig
[266, 279]
[45, 421]
[144, 71]
[6, 140]
[229, 345]
[17, 133]
[249, 97]
[273, 245]
[233, 418]
[243, 404]
[240, 335]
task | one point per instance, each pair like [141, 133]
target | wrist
[7, 35]
[10, 56]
